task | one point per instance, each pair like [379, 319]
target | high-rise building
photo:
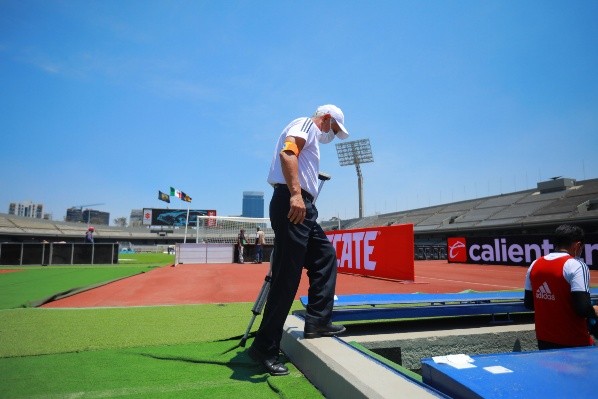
[26, 209]
[89, 216]
[74, 215]
[253, 204]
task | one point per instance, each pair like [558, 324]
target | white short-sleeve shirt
[575, 272]
[309, 158]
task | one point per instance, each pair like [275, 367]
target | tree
[120, 222]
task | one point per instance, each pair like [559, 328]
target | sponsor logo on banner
[174, 217]
[147, 217]
[457, 249]
[518, 250]
[212, 222]
[385, 252]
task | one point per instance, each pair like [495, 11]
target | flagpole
[187, 222]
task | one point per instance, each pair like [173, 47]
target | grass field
[28, 286]
[187, 351]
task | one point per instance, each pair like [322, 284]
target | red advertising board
[384, 252]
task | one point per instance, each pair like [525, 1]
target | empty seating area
[500, 211]
[532, 207]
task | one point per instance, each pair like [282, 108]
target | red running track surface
[222, 283]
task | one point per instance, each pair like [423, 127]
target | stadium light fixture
[355, 153]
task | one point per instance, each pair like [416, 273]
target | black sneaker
[316, 331]
[270, 363]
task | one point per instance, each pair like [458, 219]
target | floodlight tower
[355, 153]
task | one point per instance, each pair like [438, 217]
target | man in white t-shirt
[260, 240]
[299, 241]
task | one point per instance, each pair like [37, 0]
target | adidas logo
[543, 292]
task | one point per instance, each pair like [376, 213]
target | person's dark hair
[567, 234]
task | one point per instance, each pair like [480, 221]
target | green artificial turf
[146, 258]
[31, 286]
[136, 352]
[28, 286]
[198, 370]
[186, 351]
[30, 332]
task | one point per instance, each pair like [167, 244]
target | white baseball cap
[338, 116]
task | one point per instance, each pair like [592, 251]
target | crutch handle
[323, 177]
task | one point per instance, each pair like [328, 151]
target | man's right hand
[297, 212]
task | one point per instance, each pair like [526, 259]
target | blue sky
[110, 101]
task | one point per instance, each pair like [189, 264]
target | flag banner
[175, 193]
[185, 197]
[179, 194]
[163, 196]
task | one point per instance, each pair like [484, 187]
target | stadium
[471, 109]
[529, 212]
[393, 336]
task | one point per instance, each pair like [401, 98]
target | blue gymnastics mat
[399, 299]
[563, 373]
[361, 307]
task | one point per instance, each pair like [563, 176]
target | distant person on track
[299, 241]
[89, 235]
[260, 240]
[557, 287]
[241, 242]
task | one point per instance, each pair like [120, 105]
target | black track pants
[296, 246]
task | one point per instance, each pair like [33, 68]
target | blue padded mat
[396, 312]
[398, 299]
[564, 373]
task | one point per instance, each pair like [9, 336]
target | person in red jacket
[557, 287]
[89, 235]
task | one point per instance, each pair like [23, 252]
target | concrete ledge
[339, 371]
[411, 347]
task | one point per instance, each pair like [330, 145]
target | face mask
[326, 137]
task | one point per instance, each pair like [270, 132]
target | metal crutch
[260, 302]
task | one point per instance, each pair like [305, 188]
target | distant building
[74, 215]
[26, 209]
[253, 204]
[89, 216]
[136, 218]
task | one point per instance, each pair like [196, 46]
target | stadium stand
[537, 210]
[534, 211]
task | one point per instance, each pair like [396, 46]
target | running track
[222, 283]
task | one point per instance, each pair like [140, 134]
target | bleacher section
[520, 209]
[16, 226]
[529, 207]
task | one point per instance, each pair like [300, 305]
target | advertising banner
[517, 250]
[173, 217]
[384, 252]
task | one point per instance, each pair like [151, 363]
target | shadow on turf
[242, 366]
[241, 343]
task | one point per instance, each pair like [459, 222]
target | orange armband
[290, 146]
